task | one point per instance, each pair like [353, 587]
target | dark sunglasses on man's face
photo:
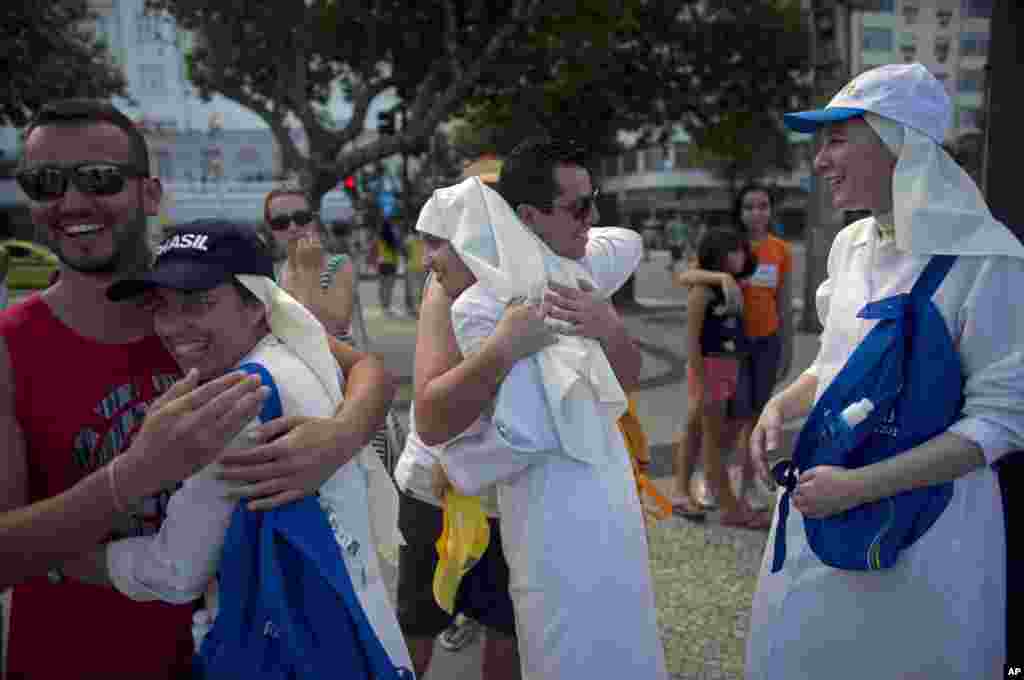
[581, 207]
[299, 217]
[50, 182]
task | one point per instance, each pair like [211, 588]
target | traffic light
[386, 122]
[351, 187]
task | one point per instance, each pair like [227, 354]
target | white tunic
[573, 533]
[176, 564]
[940, 611]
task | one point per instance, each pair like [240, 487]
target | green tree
[285, 61]
[51, 51]
[717, 67]
[744, 146]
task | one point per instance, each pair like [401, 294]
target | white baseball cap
[906, 93]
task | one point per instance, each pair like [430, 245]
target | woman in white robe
[939, 611]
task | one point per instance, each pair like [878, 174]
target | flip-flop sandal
[690, 510]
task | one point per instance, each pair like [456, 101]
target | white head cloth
[937, 207]
[297, 328]
[511, 262]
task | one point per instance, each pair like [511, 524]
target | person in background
[298, 235]
[389, 250]
[767, 317]
[677, 233]
[716, 343]
[415, 273]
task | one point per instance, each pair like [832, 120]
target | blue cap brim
[810, 121]
[180, 274]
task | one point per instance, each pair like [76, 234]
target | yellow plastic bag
[654, 504]
[463, 540]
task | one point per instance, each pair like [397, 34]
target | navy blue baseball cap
[198, 256]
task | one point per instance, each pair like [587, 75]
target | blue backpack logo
[905, 384]
[288, 608]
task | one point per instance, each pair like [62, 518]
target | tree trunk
[1001, 159]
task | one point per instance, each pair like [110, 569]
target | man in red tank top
[77, 373]
[81, 376]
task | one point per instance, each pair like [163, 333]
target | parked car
[31, 264]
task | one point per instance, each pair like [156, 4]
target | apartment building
[950, 37]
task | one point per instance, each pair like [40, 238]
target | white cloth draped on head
[937, 207]
[511, 262]
[300, 331]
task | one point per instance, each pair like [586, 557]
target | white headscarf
[512, 262]
[297, 328]
[937, 207]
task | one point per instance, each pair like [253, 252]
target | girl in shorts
[716, 343]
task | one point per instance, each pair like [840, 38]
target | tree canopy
[581, 67]
[719, 68]
[51, 51]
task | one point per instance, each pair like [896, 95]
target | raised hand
[186, 428]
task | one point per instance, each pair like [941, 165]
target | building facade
[950, 37]
[214, 157]
[654, 184]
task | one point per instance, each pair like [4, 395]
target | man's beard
[132, 251]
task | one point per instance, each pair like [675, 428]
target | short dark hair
[84, 111]
[737, 206]
[717, 243]
[528, 172]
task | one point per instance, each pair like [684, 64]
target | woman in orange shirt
[767, 314]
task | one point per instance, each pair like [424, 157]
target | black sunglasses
[300, 217]
[96, 178]
[581, 207]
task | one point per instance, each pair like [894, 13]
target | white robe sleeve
[991, 349]
[475, 314]
[613, 254]
[176, 564]
[823, 296]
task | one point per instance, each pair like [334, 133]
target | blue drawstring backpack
[908, 369]
[287, 605]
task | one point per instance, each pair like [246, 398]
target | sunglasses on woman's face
[95, 178]
[284, 220]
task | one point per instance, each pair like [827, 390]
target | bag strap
[785, 472]
[272, 406]
[932, 276]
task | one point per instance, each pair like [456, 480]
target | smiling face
[449, 270]
[563, 225]
[856, 166]
[93, 234]
[210, 330]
